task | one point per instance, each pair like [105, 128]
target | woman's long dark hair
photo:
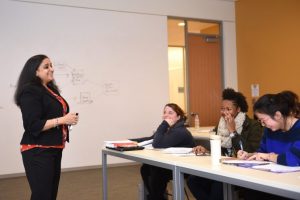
[286, 102]
[28, 77]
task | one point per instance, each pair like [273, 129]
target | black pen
[71, 126]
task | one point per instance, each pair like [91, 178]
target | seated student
[237, 131]
[279, 113]
[170, 133]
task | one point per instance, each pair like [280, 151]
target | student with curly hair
[237, 132]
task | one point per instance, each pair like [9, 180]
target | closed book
[120, 143]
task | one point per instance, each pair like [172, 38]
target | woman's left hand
[230, 123]
[264, 156]
[70, 119]
[170, 121]
[259, 156]
[199, 150]
[243, 155]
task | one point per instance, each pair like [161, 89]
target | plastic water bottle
[215, 149]
[197, 122]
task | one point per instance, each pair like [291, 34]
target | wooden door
[204, 79]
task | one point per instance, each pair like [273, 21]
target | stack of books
[125, 145]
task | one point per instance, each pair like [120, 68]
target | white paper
[236, 161]
[145, 143]
[177, 150]
[276, 168]
[117, 141]
[149, 146]
[254, 90]
[184, 154]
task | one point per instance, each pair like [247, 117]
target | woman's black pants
[155, 180]
[43, 167]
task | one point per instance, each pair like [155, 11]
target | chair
[185, 191]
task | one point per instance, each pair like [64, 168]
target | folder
[123, 145]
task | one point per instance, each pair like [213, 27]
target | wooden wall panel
[205, 79]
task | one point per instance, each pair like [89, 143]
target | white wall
[116, 54]
[220, 10]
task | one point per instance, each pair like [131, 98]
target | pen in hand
[200, 150]
[243, 155]
[71, 126]
[241, 145]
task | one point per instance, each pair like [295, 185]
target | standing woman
[46, 118]
[170, 133]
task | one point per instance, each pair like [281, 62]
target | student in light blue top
[279, 113]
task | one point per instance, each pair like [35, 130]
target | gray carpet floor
[81, 185]
[123, 184]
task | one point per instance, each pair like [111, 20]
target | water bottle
[197, 122]
[215, 149]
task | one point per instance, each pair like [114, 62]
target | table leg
[227, 191]
[104, 175]
[178, 184]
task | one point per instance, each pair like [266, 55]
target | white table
[285, 184]
[282, 184]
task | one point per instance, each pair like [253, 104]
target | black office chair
[185, 192]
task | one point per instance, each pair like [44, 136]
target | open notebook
[272, 167]
[261, 165]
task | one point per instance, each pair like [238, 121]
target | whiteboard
[110, 66]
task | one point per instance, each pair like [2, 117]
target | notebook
[261, 165]
[126, 148]
[123, 145]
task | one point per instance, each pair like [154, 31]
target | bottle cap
[215, 137]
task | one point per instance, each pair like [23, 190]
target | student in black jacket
[46, 118]
[170, 133]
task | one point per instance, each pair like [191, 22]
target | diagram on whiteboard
[69, 75]
[110, 88]
[84, 87]
[74, 82]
